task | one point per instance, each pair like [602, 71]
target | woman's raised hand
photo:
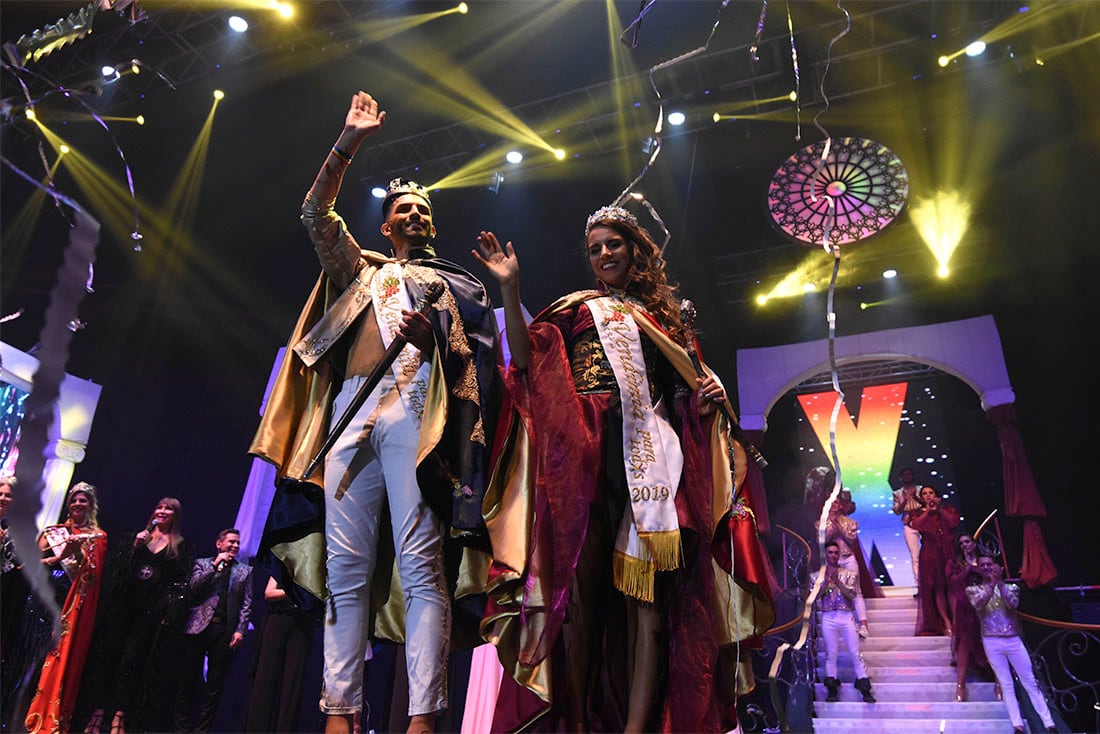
[501, 262]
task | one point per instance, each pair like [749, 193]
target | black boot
[832, 685]
[863, 685]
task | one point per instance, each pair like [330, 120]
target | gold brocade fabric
[741, 613]
[592, 372]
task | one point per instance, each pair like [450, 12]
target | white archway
[969, 349]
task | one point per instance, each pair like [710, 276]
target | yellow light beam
[941, 219]
[628, 89]
[459, 95]
[111, 202]
[1038, 15]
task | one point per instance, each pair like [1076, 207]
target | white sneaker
[864, 632]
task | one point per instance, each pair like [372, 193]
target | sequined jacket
[205, 594]
[838, 597]
[996, 607]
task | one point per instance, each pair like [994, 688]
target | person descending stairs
[914, 681]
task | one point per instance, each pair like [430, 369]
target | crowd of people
[126, 606]
[955, 587]
[579, 476]
[962, 595]
[588, 490]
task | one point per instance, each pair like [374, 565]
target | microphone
[152, 524]
[220, 565]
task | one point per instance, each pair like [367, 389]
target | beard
[417, 237]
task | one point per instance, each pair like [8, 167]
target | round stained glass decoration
[856, 192]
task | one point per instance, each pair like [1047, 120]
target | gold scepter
[687, 315]
[431, 294]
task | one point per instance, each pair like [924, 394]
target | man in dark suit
[221, 596]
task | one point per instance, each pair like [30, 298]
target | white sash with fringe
[389, 297]
[649, 535]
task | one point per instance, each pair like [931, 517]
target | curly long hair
[646, 280]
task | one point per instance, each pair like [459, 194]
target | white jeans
[1004, 652]
[912, 539]
[833, 626]
[850, 563]
[381, 467]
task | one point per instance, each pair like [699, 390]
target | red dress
[966, 638]
[937, 534]
[55, 695]
[559, 425]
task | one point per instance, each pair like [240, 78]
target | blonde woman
[74, 550]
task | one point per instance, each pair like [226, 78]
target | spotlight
[463, 8]
[514, 157]
[977, 48]
[219, 94]
[495, 181]
[238, 24]
[793, 96]
[676, 118]
[889, 273]
[559, 154]
[284, 9]
[107, 71]
[63, 149]
[378, 192]
[716, 117]
[29, 112]
[943, 61]
[808, 288]
[140, 119]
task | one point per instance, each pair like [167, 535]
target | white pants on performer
[849, 562]
[370, 471]
[835, 625]
[912, 539]
[1006, 654]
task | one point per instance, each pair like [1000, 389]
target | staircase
[912, 680]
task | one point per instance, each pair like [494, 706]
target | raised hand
[364, 117]
[501, 262]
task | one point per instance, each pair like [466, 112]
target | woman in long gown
[936, 523]
[966, 637]
[75, 548]
[607, 587]
[146, 600]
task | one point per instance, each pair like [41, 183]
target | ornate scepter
[687, 315]
[422, 305]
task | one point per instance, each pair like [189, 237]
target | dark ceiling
[182, 334]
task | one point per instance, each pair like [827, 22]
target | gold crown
[609, 214]
[399, 186]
